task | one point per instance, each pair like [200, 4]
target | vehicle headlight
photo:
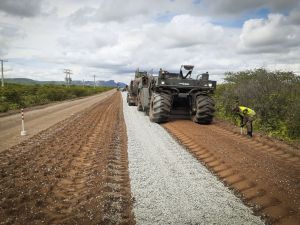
[210, 84]
[162, 82]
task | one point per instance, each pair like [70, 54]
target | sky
[112, 38]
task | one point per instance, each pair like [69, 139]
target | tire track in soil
[75, 172]
[271, 148]
[263, 174]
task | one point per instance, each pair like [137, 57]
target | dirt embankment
[266, 174]
[75, 172]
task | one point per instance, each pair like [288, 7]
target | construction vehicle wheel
[160, 107]
[139, 105]
[205, 110]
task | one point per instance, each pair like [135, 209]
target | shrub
[16, 96]
[275, 96]
[4, 106]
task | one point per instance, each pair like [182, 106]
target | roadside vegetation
[16, 96]
[274, 95]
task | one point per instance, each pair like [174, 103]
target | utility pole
[68, 79]
[94, 81]
[2, 77]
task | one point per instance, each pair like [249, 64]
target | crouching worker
[247, 116]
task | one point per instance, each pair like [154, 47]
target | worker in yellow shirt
[247, 116]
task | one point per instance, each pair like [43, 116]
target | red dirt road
[265, 174]
[75, 172]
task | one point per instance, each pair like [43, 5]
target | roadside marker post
[23, 131]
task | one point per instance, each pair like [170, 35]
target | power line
[2, 76]
[94, 81]
[68, 79]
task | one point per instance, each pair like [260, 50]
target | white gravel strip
[170, 186]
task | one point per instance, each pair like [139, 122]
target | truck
[132, 94]
[177, 95]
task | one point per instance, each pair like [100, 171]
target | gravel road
[41, 119]
[169, 186]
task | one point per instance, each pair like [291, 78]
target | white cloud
[120, 10]
[112, 38]
[8, 34]
[271, 35]
[186, 30]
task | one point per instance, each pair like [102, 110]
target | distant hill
[109, 83]
[20, 81]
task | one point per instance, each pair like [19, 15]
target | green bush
[16, 96]
[79, 92]
[12, 95]
[4, 106]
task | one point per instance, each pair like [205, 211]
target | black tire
[139, 107]
[128, 102]
[160, 107]
[139, 104]
[205, 106]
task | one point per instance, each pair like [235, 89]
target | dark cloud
[295, 17]
[238, 7]
[28, 8]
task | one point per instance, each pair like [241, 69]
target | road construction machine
[132, 94]
[177, 95]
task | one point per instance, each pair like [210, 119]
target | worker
[247, 116]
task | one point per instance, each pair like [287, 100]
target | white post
[242, 132]
[23, 132]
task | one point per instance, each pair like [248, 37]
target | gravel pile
[169, 186]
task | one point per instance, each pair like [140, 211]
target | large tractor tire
[160, 107]
[139, 104]
[205, 106]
